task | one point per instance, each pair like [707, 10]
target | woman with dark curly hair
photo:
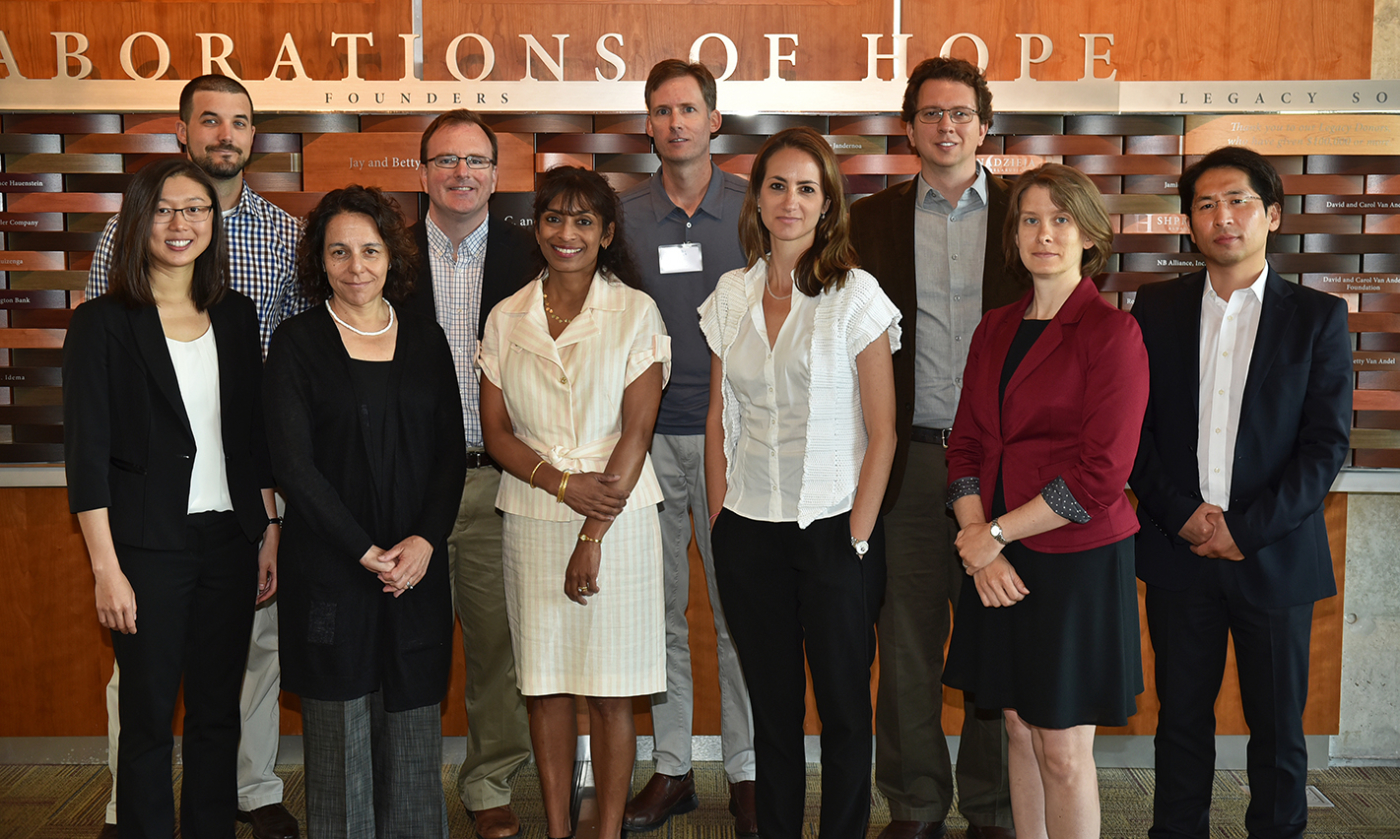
[365, 427]
[572, 368]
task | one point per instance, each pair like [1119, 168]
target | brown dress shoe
[741, 806]
[271, 822]
[990, 832]
[664, 796]
[109, 831]
[901, 829]
[496, 823]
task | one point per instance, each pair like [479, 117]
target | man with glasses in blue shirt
[469, 262]
[934, 243]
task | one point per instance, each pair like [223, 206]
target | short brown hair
[130, 280]
[460, 116]
[950, 69]
[212, 82]
[1071, 191]
[384, 212]
[674, 68]
[825, 264]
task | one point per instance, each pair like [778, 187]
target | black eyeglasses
[473, 161]
[193, 215]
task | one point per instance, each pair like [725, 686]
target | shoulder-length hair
[1071, 191]
[575, 189]
[825, 264]
[129, 280]
[384, 212]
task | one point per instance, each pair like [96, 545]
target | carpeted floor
[68, 802]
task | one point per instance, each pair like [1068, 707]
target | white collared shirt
[1228, 329]
[564, 395]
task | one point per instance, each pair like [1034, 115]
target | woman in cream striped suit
[572, 371]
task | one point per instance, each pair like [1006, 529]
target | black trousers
[194, 615]
[1188, 630]
[784, 589]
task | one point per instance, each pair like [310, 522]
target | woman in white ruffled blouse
[798, 446]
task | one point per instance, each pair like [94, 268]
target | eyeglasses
[933, 116]
[1208, 206]
[193, 215]
[473, 161]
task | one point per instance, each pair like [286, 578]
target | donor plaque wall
[1128, 93]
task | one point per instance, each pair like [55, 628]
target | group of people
[862, 415]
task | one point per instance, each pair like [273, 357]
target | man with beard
[216, 130]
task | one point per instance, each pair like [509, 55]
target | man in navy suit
[1247, 425]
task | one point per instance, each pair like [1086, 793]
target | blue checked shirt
[457, 279]
[262, 249]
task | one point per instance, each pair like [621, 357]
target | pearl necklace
[387, 327]
[769, 289]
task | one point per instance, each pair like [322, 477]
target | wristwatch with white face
[861, 547]
[997, 533]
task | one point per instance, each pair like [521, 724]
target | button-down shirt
[1228, 329]
[457, 278]
[262, 249]
[564, 395]
[652, 220]
[949, 245]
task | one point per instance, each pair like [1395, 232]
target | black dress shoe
[990, 832]
[902, 829]
[664, 796]
[271, 822]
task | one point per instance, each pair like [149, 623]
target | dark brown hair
[384, 212]
[950, 69]
[1073, 192]
[1263, 177]
[576, 189]
[212, 82]
[674, 68]
[461, 116]
[825, 264]
[129, 280]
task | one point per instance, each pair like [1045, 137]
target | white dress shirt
[197, 372]
[1228, 329]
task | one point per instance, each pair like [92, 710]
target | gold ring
[583, 589]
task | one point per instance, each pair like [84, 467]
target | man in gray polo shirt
[935, 245]
[683, 224]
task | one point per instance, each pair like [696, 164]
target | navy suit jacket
[510, 252]
[1295, 426]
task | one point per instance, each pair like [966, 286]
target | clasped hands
[997, 582]
[1209, 535]
[596, 495]
[401, 567]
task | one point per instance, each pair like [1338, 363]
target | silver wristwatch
[861, 547]
[997, 533]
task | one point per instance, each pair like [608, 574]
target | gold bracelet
[532, 473]
[563, 482]
[584, 537]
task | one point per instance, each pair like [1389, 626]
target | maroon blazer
[1073, 410]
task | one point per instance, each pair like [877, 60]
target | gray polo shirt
[949, 248]
[651, 221]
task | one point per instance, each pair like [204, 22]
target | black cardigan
[127, 439]
[341, 636]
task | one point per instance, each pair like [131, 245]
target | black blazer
[882, 231]
[341, 636]
[510, 251]
[1295, 425]
[127, 439]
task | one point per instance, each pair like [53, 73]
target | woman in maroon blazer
[1047, 428]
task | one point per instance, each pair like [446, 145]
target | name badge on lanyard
[680, 259]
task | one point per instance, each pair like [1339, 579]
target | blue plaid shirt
[262, 249]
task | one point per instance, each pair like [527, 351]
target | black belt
[478, 459]
[938, 436]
